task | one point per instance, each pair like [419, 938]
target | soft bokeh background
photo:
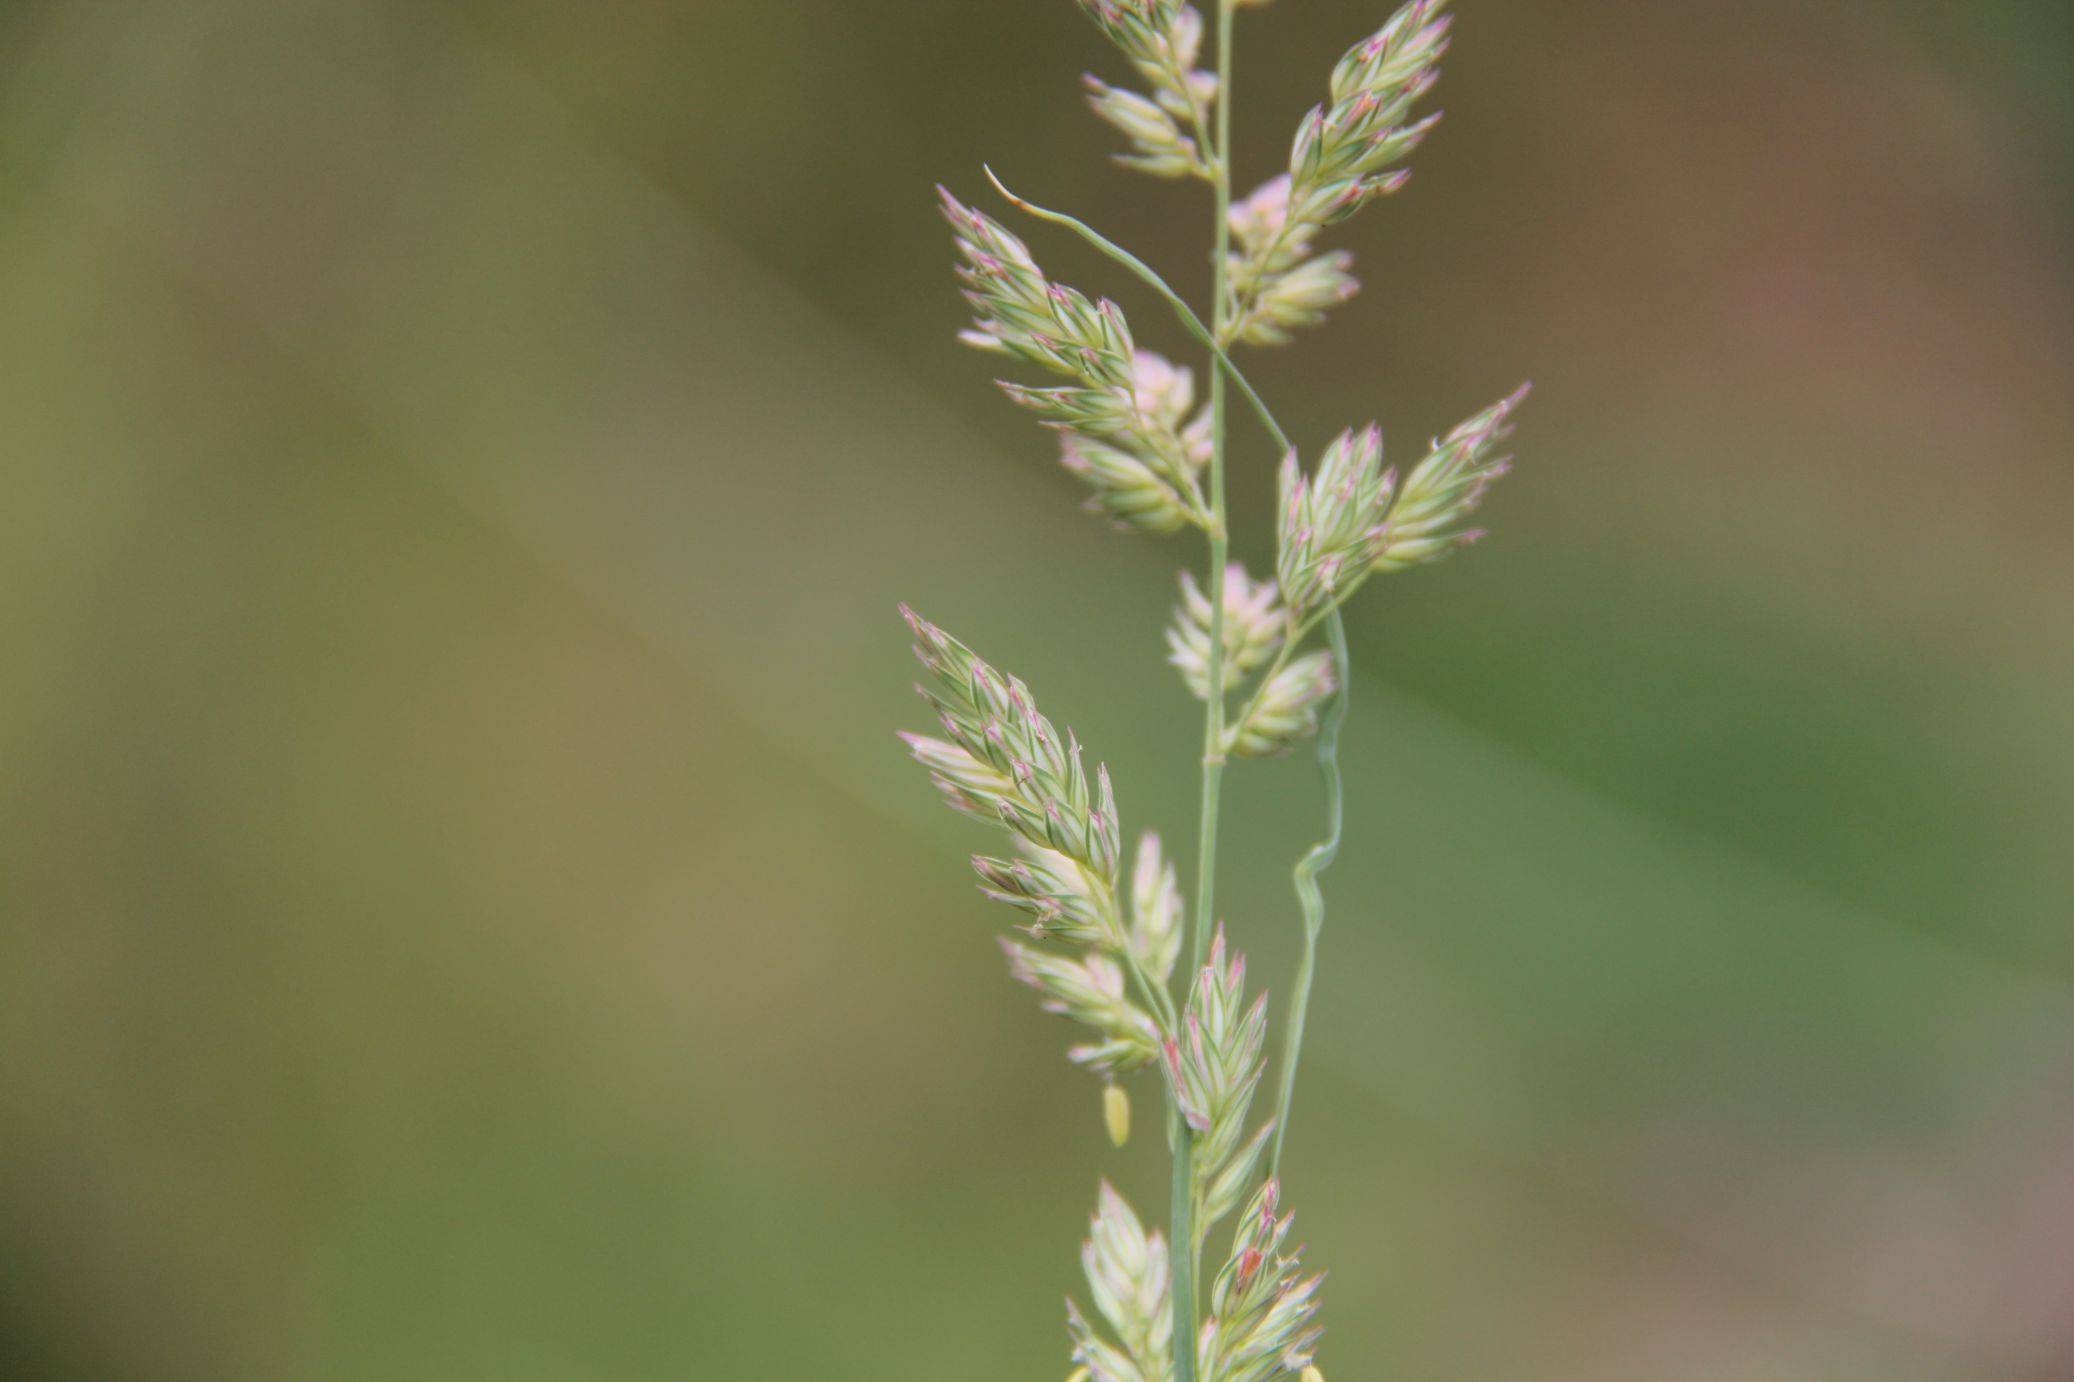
[463, 913]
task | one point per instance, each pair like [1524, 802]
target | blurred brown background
[463, 913]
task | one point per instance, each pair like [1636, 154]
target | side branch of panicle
[1263, 1309]
[1003, 762]
[1346, 154]
[1351, 518]
[1001, 759]
[1168, 127]
[1123, 413]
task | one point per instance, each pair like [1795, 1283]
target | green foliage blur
[464, 913]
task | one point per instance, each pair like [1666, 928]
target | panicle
[1254, 625]
[1089, 989]
[1331, 522]
[1446, 487]
[1213, 1068]
[1155, 910]
[1285, 710]
[1262, 1309]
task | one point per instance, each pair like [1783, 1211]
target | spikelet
[1155, 935]
[1286, 709]
[1262, 1309]
[1254, 624]
[1213, 1068]
[1446, 487]
[1126, 1269]
[1331, 528]
[1064, 901]
[1089, 989]
[1159, 144]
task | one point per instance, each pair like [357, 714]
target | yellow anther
[1116, 1114]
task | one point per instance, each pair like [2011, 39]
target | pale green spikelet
[1159, 144]
[1126, 1269]
[1254, 624]
[1126, 489]
[1090, 989]
[1285, 710]
[1332, 520]
[1155, 936]
[1064, 900]
[1446, 487]
[1213, 1067]
[1262, 1309]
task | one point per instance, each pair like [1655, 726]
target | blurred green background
[463, 913]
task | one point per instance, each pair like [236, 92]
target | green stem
[1308, 898]
[1185, 1248]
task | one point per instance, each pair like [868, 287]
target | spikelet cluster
[1345, 155]
[1331, 521]
[1213, 1066]
[1123, 413]
[1350, 518]
[1446, 487]
[1285, 710]
[1262, 1308]
[1167, 125]
[1002, 761]
[1282, 711]
[1254, 624]
[1090, 989]
[1126, 1269]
